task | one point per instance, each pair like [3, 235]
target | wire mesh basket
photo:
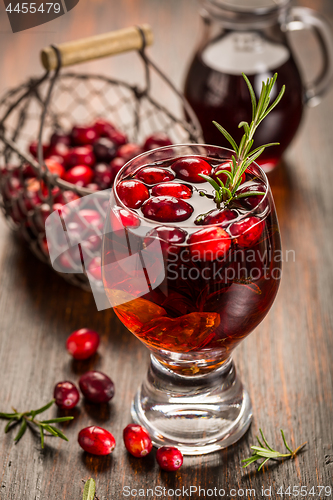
[57, 101]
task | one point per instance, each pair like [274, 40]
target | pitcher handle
[300, 18]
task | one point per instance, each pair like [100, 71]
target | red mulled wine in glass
[191, 278]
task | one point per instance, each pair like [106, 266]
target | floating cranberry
[66, 395]
[220, 217]
[169, 458]
[167, 209]
[157, 140]
[33, 149]
[103, 127]
[54, 167]
[80, 156]
[82, 343]
[132, 193]
[169, 237]
[116, 164]
[104, 150]
[117, 137]
[120, 218]
[223, 177]
[96, 387]
[247, 231]
[154, 175]
[60, 138]
[188, 169]
[175, 189]
[95, 268]
[209, 244]
[82, 135]
[253, 201]
[129, 151]
[80, 175]
[137, 440]
[96, 440]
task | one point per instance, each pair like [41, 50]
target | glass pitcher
[251, 36]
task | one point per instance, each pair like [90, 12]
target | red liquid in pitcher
[223, 97]
[221, 272]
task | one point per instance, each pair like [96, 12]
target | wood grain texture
[286, 363]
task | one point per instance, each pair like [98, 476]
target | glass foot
[198, 414]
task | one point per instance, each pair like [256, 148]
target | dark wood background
[286, 363]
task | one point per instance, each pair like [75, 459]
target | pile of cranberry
[88, 156]
[98, 388]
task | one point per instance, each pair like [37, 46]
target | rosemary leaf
[44, 408]
[89, 490]
[22, 430]
[227, 136]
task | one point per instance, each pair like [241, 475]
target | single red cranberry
[175, 189]
[189, 168]
[93, 186]
[252, 201]
[116, 164]
[80, 156]
[169, 237]
[70, 260]
[169, 458]
[55, 168]
[57, 159]
[82, 135]
[60, 150]
[132, 193]
[129, 151]
[248, 231]
[80, 175]
[224, 177]
[154, 175]
[60, 138]
[82, 343]
[96, 387]
[137, 440]
[157, 140]
[209, 244]
[103, 175]
[104, 150]
[167, 209]
[32, 196]
[103, 127]
[121, 218]
[96, 440]
[220, 217]
[92, 217]
[93, 242]
[95, 268]
[66, 395]
[33, 149]
[117, 137]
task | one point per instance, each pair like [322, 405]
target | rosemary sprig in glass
[267, 453]
[28, 419]
[225, 192]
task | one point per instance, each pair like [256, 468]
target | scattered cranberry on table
[96, 387]
[137, 440]
[66, 395]
[96, 440]
[83, 343]
[169, 458]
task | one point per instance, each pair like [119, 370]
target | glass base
[198, 414]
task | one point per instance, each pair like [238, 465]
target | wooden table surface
[286, 363]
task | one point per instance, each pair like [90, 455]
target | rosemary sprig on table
[267, 453]
[28, 419]
[225, 192]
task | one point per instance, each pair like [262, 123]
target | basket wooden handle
[94, 47]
